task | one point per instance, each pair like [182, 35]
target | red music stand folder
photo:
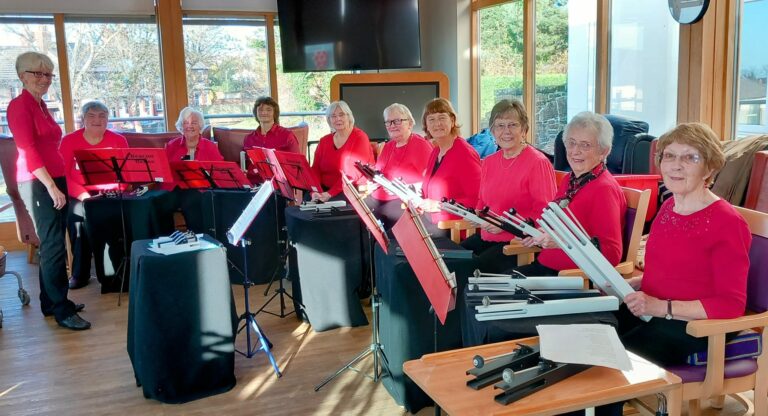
[260, 162]
[130, 166]
[194, 174]
[296, 169]
[371, 222]
[438, 283]
[278, 176]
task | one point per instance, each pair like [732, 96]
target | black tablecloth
[147, 216]
[215, 211]
[407, 325]
[181, 323]
[326, 268]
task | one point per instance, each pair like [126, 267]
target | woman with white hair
[591, 192]
[42, 185]
[337, 152]
[93, 135]
[192, 145]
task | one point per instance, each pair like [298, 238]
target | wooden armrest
[515, 247]
[572, 272]
[462, 225]
[708, 327]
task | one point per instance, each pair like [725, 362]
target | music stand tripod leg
[124, 261]
[280, 291]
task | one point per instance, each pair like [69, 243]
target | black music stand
[375, 231]
[132, 166]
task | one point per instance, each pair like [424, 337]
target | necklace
[511, 159]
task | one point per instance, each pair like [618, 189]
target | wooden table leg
[675, 401]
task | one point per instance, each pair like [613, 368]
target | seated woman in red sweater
[453, 168]
[93, 135]
[516, 176]
[337, 152]
[192, 145]
[270, 133]
[404, 156]
[593, 195]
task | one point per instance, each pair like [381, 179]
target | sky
[754, 54]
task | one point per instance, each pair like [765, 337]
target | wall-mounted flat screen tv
[342, 35]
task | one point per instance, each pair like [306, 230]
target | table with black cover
[326, 268]
[146, 216]
[407, 326]
[215, 211]
[181, 323]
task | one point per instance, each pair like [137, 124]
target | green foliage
[489, 85]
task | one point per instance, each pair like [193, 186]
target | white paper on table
[591, 344]
[169, 249]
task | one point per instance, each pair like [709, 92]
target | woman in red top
[270, 133]
[192, 145]
[336, 153]
[517, 176]
[40, 174]
[453, 168]
[93, 135]
[404, 156]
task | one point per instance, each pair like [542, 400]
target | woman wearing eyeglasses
[516, 176]
[192, 145]
[590, 192]
[404, 156]
[42, 184]
[337, 152]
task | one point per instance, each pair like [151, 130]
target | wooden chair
[459, 229]
[720, 377]
[757, 190]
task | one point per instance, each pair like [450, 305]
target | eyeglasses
[506, 126]
[583, 146]
[39, 74]
[395, 122]
[686, 159]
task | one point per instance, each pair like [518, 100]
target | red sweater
[330, 162]
[457, 177]
[704, 256]
[207, 151]
[526, 183]
[278, 138]
[37, 137]
[407, 162]
[601, 208]
[76, 141]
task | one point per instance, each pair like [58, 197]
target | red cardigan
[526, 183]
[407, 162]
[37, 137]
[207, 151]
[704, 256]
[76, 141]
[278, 138]
[601, 208]
[330, 162]
[457, 177]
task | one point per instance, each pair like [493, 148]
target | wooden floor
[45, 369]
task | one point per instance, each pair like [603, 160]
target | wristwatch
[668, 316]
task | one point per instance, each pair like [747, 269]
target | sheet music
[249, 213]
[591, 344]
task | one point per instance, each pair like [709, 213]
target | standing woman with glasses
[516, 176]
[42, 184]
[404, 156]
[337, 152]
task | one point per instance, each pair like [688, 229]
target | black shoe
[78, 308]
[75, 322]
[75, 283]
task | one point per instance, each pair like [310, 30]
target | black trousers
[79, 241]
[50, 225]
[489, 254]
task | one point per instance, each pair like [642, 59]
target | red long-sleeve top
[206, 151]
[601, 208]
[525, 183]
[37, 137]
[278, 138]
[407, 162]
[330, 162]
[76, 141]
[457, 177]
[701, 256]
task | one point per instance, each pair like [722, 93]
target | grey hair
[595, 123]
[343, 106]
[402, 109]
[93, 105]
[29, 61]
[186, 113]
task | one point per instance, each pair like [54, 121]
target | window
[117, 60]
[643, 36]
[753, 70]
[227, 67]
